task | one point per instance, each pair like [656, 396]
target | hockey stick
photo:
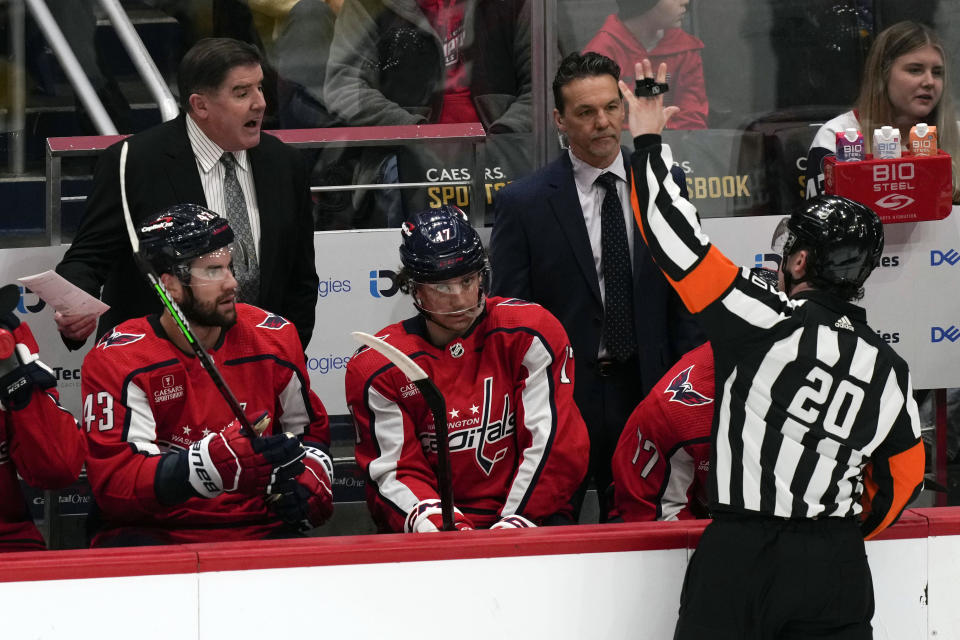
[438, 407]
[205, 360]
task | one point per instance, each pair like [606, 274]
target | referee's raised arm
[816, 434]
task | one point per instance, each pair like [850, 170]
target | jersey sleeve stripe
[387, 427]
[679, 477]
[751, 310]
[540, 419]
[676, 249]
[295, 407]
[140, 429]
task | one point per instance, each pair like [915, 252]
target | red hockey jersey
[517, 442]
[661, 462]
[41, 442]
[142, 397]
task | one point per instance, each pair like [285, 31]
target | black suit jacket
[540, 252]
[162, 171]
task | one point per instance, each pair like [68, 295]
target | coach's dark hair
[577, 65]
[207, 64]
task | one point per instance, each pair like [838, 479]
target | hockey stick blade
[438, 407]
[181, 320]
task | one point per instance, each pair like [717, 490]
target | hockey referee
[816, 437]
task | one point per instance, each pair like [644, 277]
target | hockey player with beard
[39, 439]
[518, 446]
[168, 462]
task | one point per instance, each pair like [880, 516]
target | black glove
[304, 500]
[20, 373]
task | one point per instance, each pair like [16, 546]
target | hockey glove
[427, 516]
[232, 461]
[306, 500]
[512, 522]
[21, 373]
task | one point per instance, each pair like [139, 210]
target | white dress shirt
[208, 154]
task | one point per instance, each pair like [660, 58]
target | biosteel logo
[895, 201]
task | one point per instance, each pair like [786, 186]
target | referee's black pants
[760, 578]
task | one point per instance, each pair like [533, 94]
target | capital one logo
[895, 201]
[391, 285]
[950, 256]
[939, 334]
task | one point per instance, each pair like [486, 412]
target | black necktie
[618, 329]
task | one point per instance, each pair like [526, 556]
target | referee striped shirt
[815, 413]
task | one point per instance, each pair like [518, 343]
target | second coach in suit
[216, 156]
[565, 237]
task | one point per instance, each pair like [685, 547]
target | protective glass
[455, 286]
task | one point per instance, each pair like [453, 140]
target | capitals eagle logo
[118, 339]
[683, 392]
[273, 321]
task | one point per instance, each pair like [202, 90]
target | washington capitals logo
[273, 321]
[118, 339]
[684, 392]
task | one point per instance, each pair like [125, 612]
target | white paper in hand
[63, 296]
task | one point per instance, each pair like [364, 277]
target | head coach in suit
[565, 237]
[214, 155]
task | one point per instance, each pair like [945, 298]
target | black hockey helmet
[844, 237]
[439, 244]
[181, 233]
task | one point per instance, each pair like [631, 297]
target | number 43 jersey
[144, 397]
[518, 444]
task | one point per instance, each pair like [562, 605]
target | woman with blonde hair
[905, 81]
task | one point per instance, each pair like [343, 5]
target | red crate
[904, 189]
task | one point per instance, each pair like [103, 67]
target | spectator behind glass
[299, 53]
[398, 62]
[651, 29]
[904, 82]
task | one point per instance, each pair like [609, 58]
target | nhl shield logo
[456, 350]
[273, 321]
[118, 339]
